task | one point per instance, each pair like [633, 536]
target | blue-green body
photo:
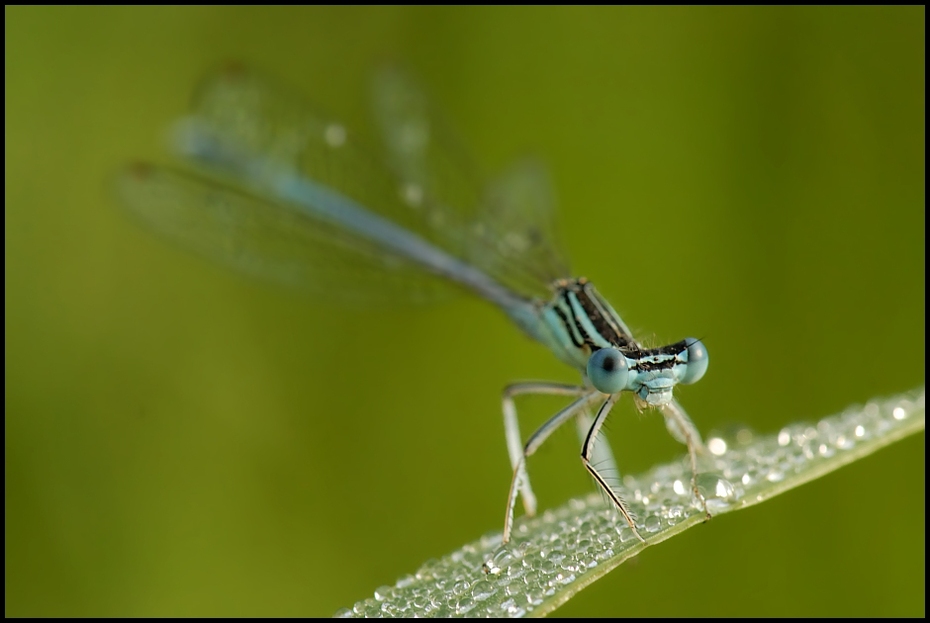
[578, 323]
[258, 137]
[290, 198]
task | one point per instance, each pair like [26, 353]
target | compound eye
[697, 361]
[608, 371]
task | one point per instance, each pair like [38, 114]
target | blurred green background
[183, 441]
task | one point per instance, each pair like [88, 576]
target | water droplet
[509, 606]
[626, 534]
[412, 194]
[556, 556]
[717, 446]
[481, 590]
[564, 578]
[775, 475]
[515, 572]
[460, 587]
[715, 487]
[335, 135]
[463, 606]
[899, 413]
[744, 436]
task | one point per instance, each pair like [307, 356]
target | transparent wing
[270, 241]
[508, 228]
[249, 127]
[253, 133]
[518, 214]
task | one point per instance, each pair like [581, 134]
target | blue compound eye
[697, 361]
[608, 371]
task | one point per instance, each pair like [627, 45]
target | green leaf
[557, 554]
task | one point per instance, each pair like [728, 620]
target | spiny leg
[532, 444]
[587, 450]
[602, 455]
[681, 427]
[512, 428]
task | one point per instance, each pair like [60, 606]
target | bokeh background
[181, 440]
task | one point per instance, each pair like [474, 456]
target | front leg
[681, 427]
[587, 451]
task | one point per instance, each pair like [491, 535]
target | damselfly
[292, 197]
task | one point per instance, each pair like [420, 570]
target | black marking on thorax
[596, 311]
